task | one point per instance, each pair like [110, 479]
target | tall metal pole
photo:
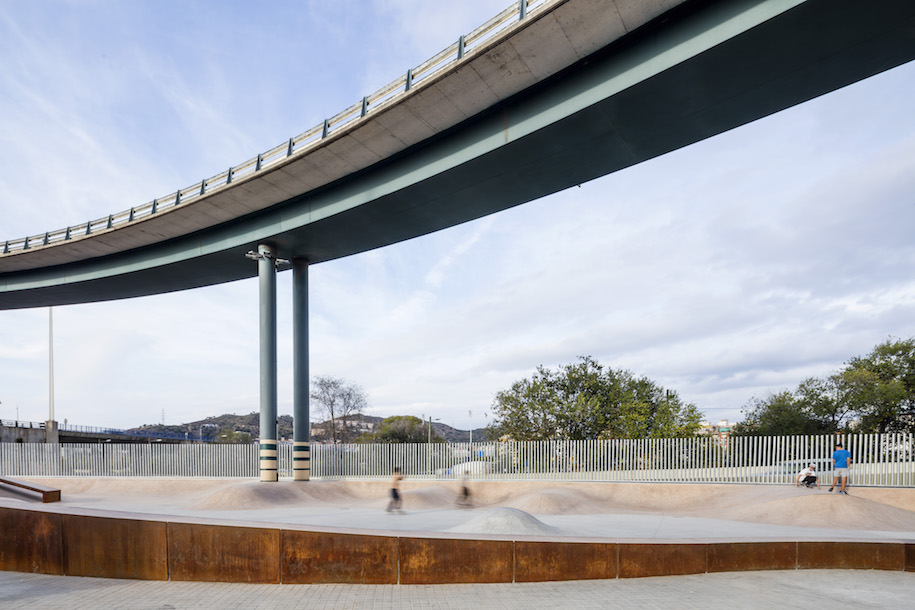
[301, 416]
[50, 364]
[266, 271]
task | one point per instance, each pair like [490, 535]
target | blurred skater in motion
[464, 494]
[396, 502]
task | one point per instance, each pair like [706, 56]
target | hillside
[234, 428]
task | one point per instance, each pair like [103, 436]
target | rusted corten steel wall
[115, 548]
[112, 547]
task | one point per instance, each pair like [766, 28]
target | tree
[582, 400]
[884, 387]
[872, 393]
[830, 401]
[401, 429]
[781, 413]
[339, 402]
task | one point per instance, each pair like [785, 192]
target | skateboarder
[396, 501]
[841, 461]
[808, 477]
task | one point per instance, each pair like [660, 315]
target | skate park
[338, 531]
[520, 531]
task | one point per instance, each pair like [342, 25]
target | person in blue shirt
[841, 461]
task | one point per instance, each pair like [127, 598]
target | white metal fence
[877, 460]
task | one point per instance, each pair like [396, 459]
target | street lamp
[429, 445]
[430, 427]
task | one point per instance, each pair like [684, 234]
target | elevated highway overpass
[550, 94]
[575, 90]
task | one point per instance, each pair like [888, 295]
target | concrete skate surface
[514, 508]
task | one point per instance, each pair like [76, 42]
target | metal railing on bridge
[465, 46]
[114, 432]
[187, 436]
[886, 460]
[18, 423]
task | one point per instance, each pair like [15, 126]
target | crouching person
[807, 477]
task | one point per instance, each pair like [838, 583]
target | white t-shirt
[807, 472]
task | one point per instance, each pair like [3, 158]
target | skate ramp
[431, 497]
[329, 503]
[506, 520]
[557, 502]
[253, 496]
[826, 510]
[138, 494]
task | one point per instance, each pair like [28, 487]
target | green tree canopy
[401, 429]
[884, 387]
[583, 400]
[781, 413]
[872, 393]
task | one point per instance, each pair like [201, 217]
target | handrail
[9, 423]
[18, 423]
[298, 145]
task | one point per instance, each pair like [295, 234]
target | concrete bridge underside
[580, 91]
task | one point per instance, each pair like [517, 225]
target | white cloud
[732, 268]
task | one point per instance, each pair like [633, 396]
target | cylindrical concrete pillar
[266, 271]
[301, 416]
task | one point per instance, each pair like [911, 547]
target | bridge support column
[301, 416]
[266, 271]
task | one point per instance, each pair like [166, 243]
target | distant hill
[234, 427]
[453, 435]
[231, 428]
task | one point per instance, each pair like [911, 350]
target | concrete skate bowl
[126, 529]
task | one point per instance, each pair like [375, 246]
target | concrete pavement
[786, 589]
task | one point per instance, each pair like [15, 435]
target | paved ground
[782, 589]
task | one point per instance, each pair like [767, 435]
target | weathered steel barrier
[47, 542]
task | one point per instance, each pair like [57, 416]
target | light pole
[430, 428]
[50, 365]
[429, 445]
[470, 415]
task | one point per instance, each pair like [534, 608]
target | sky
[724, 271]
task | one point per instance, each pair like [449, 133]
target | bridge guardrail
[297, 145]
[10, 423]
[18, 423]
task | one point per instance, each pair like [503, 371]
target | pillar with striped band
[268, 460]
[266, 272]
[301, 435]
[301, 461]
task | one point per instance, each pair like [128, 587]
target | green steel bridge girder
[701, 69]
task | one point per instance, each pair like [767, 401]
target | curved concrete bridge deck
[575, 91]
[334, 531]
